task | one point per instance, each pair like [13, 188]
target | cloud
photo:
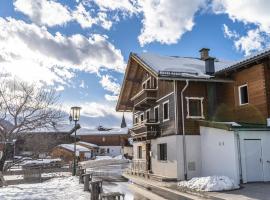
[34, 54]
[51, 13]
[44, 12]
[111, 97]
[165, 21]
[254, 40]
[247, 11]
[110, 84]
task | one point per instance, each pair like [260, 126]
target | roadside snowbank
[57, 189]
[209, 183]
[103, 161]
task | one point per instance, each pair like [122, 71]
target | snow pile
[56, 189]
[103, 157]
[41, 161]
[103, 161]
[209, 183]
[119, 157]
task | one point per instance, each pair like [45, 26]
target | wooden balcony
[144, 99]
[146, 130]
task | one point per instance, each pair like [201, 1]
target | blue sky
[81, 47]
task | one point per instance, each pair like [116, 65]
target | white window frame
[188, 113]
[156, 107]
[142, 114]
[168, 102]
[149, 110]
[239, 94]
[136, 116]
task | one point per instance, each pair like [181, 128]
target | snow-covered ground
[209, 183]
[56, 189]
[103, 161]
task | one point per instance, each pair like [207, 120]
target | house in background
[198, 116]
[66, 152]
[111, 141]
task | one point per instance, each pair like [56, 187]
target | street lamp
[74, 116]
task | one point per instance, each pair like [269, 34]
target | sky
[80, 47]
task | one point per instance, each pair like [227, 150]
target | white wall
[114, 150]
[135, 150]
[174, 166]
[219, 153]
[265, 142]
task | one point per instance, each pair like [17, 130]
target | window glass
[156, 110]
[141, 117]
[162, 151]
[148, 115]
[139, 152]
[243, 94]
[166, 111]
[195, 107]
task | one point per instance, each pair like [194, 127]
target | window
[136, 119]
[243, 94]
[108, 150]
[162, 151]
[195, 107]
[148, 115]
[166, 111]
[141, 117]
[156, 113]
[139, 152]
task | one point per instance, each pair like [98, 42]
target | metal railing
[139, 165]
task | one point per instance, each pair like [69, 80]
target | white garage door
[253, 158]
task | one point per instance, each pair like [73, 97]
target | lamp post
[74, 116]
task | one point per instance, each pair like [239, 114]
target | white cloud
[44, 12]
[229, 33]
[247, 11]
[34, 54]
[165, 21]
[253, 41]
[111, 97]
[110, 84]
[52, 13]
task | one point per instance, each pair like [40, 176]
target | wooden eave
[131, 82]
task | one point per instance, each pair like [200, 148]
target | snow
[209, 183]
[102, 161]
[103, 157]
[190, 67]
[113, 131]
[41, 161]
[70, 147]
[56, 189]
[87, 143]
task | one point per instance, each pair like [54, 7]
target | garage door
[253, 158]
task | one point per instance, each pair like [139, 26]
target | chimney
[210, 65]
[204, 53]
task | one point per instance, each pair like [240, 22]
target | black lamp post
[74, 116]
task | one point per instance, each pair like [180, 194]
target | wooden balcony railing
[148, 129]
[139, 165]
[144, 98]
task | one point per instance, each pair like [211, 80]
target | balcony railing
[144, 98]
[139, 165]
[148, 129]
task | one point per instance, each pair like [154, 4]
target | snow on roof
[187, 65]
[87, 143]
[113, 131]
[70, 147]
[246, 59]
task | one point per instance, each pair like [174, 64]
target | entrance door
[148, 157]
[253, 157]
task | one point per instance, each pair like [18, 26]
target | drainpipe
[239, 156]
[176, 108]
[183, 130]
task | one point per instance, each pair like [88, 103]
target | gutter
[183, 129]
[239, 156]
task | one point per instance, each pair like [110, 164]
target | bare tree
[24, 108]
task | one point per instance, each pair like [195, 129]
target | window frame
[139, 152]
[188, 110]
[142, 114]
[239, 94]
[148, 111]
[164, 156]
[158, 119]
[136, 117]
[166, 102]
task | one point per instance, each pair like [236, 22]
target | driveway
[259, 191]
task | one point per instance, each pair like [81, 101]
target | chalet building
[111, 141]
[198, 116]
